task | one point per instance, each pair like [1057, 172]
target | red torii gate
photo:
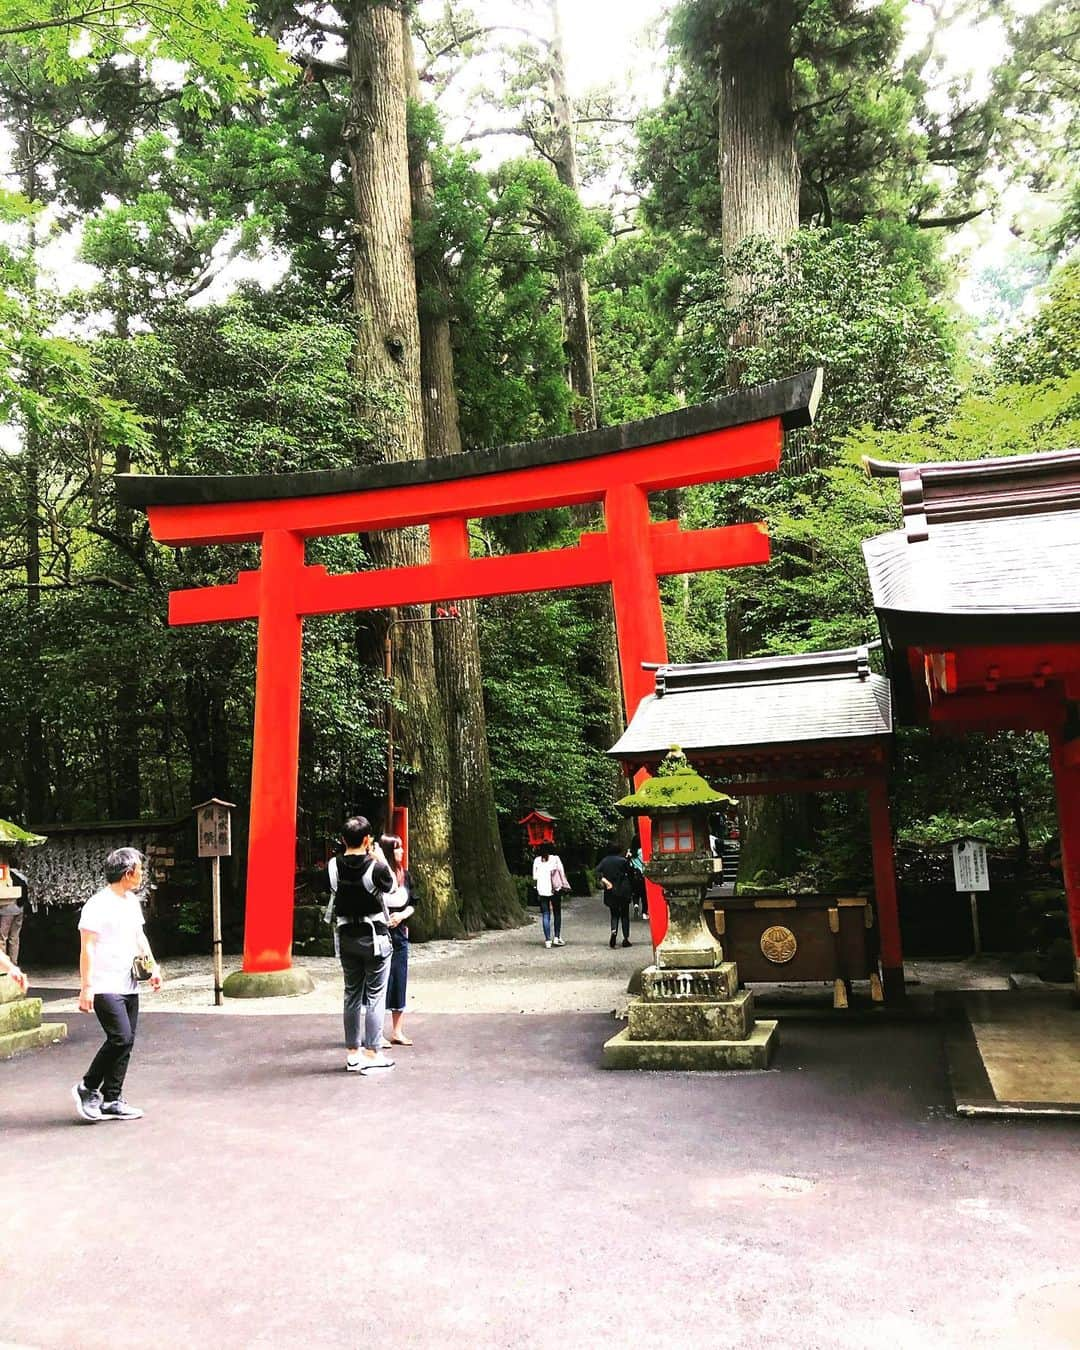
[619, 466]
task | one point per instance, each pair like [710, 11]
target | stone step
[9, 990]
[693, 1020]
[753, 1053]
[18, 1042]
[21, 1015]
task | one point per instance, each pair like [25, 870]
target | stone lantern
[691, 1013]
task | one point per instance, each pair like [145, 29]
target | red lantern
[540, 828]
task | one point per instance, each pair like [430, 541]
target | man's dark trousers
[620, 909]
[119, 1016]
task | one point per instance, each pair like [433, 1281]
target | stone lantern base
[692, 1019]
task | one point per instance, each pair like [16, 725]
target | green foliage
[224, 59]
[867, 139]
[540, 712]
[1048, 347]
[842, 299]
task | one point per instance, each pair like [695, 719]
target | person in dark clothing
[359, 882]
[637, 879]
[617, 888]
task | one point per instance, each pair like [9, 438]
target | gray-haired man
[111, 929]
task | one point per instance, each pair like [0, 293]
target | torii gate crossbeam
[619, 467]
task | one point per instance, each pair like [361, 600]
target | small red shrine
[813, 722]
[618, 467]
[978, 600]
[540, 828]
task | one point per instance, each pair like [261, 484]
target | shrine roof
[793, 400]
[990, 551]
[718, 706]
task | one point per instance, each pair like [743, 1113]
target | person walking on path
[549, 876]
[112, 936]
[12, 913]
[360, 880]
[614, 872]
[400, 905]
[637, 879]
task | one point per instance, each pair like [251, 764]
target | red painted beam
[775, 786]
[460, 577]
[708, 458]
[1038, 710]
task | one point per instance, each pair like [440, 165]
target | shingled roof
[767, 702]
[990, 550]
[793, 400]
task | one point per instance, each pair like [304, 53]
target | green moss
[675, 787]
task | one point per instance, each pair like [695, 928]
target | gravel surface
[509, 971]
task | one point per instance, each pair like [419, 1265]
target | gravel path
[509, 971]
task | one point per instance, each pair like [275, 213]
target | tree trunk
[387, 363]
[129, 748]
[759, 169]
[488, 896]
[37, 792]
[601, 662]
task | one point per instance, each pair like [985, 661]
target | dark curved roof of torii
[793, 400]
[771, 701]
[989, 552]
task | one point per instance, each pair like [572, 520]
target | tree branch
[947, 222]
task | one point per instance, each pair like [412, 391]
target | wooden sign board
[969, 865]
[213, 829]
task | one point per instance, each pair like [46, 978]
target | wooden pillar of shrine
[1065, 760]
[888, 912]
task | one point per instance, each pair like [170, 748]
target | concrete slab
[499, 1189]
[1014, 1052]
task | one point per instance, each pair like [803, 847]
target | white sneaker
[558, 942]
[353, 1064]
[547, 942]
[380, 1063]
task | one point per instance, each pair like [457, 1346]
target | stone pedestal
[690, 1014]
[290, 983]
[692, 1019]
[21, 1027]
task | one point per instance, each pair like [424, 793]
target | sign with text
[969, 865]
[213, 829]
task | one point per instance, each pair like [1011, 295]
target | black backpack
[356, 896]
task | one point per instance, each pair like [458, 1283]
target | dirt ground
[503, 972]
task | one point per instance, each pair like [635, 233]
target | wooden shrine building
[978, 601]
[819, 722]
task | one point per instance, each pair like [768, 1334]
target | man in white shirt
[111, 929]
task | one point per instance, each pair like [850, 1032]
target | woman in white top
[111, 929]
[550, 879]
[401, 906]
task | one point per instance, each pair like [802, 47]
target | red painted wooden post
[639, 626]
[888, 914]
[1067, 786]
[271, 869]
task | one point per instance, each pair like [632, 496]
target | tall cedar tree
[480, 873]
